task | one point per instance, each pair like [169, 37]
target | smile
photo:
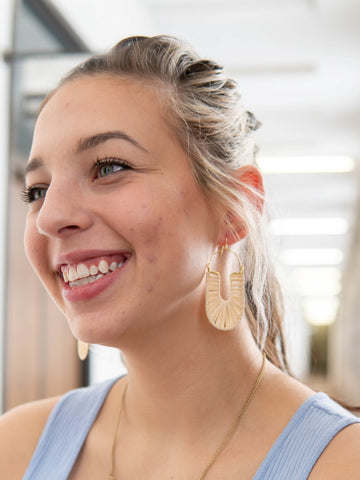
[78, 275]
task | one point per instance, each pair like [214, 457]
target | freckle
[152, 259]
[131, 229]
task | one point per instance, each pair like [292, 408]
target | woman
[141, 174]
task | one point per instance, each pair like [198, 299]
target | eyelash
[28, 193]
[101, 162]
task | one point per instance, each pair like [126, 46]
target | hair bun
[251, 122]
[201, 66]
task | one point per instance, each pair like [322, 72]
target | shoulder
[20, 430]
[316, 417]
[341, 457]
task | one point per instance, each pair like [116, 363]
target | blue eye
[31, 194]
[108, 169]
[108, 166]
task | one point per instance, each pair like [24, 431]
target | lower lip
[91, 290]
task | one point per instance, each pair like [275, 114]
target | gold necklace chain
[223, 442]
[112, 474]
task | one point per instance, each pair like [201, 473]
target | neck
[192, 374]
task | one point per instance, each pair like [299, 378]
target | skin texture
[134, 210]
[186, 380]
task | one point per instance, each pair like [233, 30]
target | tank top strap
[303, 440]
[65, 432]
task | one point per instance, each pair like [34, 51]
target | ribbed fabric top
[292, 456]
[303, 440]
[65, 432]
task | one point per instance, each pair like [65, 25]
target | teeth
[103, 266]
[82, 271]
[94, 270]
[82, 281]
[82, 275]
[72, 274]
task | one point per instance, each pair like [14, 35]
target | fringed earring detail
[82, 349]
[224, 314]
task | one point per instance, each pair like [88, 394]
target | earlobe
[251, 185]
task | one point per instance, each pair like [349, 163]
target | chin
[96, 328]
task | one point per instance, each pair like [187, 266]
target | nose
[64, 211]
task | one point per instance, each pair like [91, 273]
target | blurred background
[298, 65]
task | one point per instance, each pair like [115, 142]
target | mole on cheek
[152, 259]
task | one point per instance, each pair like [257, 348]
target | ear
[250, 183]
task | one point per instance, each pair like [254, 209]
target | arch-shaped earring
[82, 349]
[224, 314]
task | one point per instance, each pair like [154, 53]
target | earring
[224, 314]
[82, 349]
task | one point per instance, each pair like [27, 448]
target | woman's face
[118, 230]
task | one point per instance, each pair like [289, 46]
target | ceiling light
[306, 164]
[309, 226]
[312, 256]
[321, 311]
[317, 281]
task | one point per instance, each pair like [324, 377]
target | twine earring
[224, 314]
[82, 349]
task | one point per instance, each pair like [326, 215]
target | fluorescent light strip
[306, 164]
[312, 256]
[317, 281]
[321, 311]
[309, 226]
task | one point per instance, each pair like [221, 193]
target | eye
[107, 166]
[31, 194]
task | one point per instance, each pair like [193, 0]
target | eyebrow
[33, 164]
[88, 143]
[94, 140]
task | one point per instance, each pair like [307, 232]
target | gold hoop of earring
[82, 349]
[224, 314]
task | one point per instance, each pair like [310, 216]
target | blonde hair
[217, 132]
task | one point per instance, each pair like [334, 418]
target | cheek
[151, 258]
[29, 241]
[35, 245]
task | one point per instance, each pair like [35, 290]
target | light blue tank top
[292, 456]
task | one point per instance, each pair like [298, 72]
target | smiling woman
[141, 178]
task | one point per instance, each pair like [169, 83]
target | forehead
[87, 104]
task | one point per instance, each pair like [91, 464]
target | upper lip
[79, 256]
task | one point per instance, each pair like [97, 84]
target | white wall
[6, 7]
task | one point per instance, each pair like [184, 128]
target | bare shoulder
[340, 460]
[20, 430]
[341, 457]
